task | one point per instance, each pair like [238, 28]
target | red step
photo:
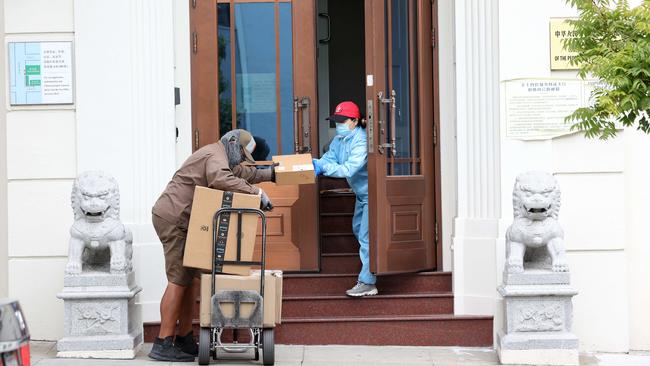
[339, 243]
[403, 330]
[340, 263]
[323, 284]
[382, 304]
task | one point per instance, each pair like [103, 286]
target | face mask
[342, 129]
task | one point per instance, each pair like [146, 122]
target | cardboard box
[198, 247]
[277, 275]
[294, 169]
[272, 296]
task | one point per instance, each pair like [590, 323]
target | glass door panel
[403, 80]
[251, 60]
[262, 54]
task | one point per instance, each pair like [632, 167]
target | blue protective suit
[347, 158]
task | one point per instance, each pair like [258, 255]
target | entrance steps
[410, 310]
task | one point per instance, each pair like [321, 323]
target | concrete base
[100, 343]
[539, 357]
[125, 354]
[101, 316]
[537, 348]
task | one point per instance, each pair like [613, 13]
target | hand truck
[210, 337]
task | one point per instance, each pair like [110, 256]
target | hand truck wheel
[205, 345]
[257, 340]
[268, 346]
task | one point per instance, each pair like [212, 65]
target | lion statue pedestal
[536, 283]
[102, 319]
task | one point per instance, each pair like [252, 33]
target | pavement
[44, 354]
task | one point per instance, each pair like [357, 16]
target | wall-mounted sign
[40, 73]
[535, 108]
[560, 30]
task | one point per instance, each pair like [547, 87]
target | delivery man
[347, 158]
[214, 166]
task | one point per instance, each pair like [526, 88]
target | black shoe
[164, 350]
[187, 344]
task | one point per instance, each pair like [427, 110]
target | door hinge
[435, 137]
[194, 4]
[196, 139]
[436, 232]
[433, 37]
[194, 42]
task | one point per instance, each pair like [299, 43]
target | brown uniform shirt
[207, 167]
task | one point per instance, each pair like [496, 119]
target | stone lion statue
[535, 236]
[98, 240]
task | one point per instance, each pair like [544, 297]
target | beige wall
[3, 168]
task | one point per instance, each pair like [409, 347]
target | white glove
[266, 204]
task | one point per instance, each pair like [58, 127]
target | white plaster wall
[38, 16]
[637, 181]
[182, 77]
[604, 192]
[37, 145]
[447, 138]
[41, 163]
[122, 122]
[126, 116]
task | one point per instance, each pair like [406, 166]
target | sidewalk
[44, 354]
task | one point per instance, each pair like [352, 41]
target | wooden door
[254, 67]
[399, 105]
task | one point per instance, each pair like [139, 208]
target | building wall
[41, 163]
[122, 122]
[126, 116]
[603, 194]
[447, 138]
[3, 168]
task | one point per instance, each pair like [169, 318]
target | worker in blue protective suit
[347, 158]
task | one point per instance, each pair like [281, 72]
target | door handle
[301, 141]
[381, 121]
[329, 26]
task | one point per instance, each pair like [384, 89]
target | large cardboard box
[198, 247]
[294, 169]
[272, 295]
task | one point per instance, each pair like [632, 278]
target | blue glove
[318, 168]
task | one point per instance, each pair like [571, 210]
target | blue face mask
[342, 129]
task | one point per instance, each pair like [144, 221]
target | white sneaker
[361, 289]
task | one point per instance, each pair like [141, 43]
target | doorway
[341, 60]
[278, 68]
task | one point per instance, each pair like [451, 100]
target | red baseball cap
[343, 111]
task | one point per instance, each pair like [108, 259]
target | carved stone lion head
[95, 197]
[536, 196]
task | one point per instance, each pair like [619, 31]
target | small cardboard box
[199, 243]
[272, 296]
[294, 169]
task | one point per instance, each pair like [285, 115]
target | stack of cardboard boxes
[291, 169]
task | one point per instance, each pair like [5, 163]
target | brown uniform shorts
[173, 241]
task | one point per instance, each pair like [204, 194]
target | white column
[125, 115]
[477, 110]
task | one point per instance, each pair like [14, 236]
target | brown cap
[248, 144]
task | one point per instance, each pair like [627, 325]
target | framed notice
[40, 73]
[535, 109]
